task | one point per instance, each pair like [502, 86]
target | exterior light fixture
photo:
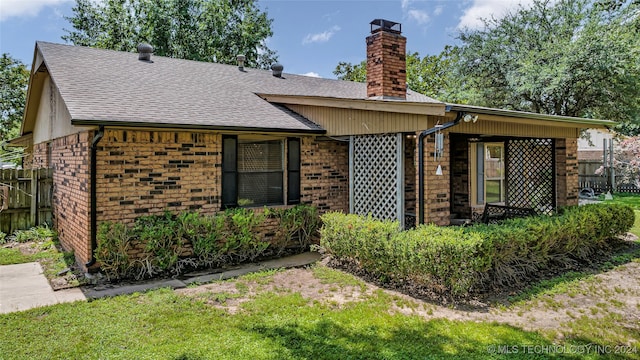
[470, 118]
[439, 170]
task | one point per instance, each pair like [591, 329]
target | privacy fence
[25, 198]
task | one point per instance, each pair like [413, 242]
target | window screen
[260, 172]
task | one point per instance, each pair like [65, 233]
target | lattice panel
[376, 173]
[530, 174]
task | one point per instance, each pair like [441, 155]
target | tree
[14, 78]
[626, 162]
[202, 30]
[432, 75]
[568, 57]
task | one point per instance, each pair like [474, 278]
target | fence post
[34, 197]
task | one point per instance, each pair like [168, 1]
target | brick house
[133, 134]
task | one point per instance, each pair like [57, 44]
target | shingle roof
[111, 86]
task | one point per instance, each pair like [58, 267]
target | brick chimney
[386, 61]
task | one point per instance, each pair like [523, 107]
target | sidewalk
[24, 286]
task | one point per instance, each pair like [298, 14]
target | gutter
[94, 224]
[529, 115]
[421, 137]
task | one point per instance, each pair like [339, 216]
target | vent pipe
[240, 59]
[277, 70]
[144, 52]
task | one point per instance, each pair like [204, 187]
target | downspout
[421, 137]
[94, 218]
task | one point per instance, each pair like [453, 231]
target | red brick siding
[437, 189]
[70, 162]
[386, 65]
[147, 172]
[324, 174]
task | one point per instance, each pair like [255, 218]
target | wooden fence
[25, 198]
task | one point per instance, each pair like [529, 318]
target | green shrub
[226, 238]
[298, 227]
[162, 237]
[37, 233]
[457, 260]
[442, 258]
[114, 243]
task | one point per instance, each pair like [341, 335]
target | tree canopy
[432, 75]
[14, 78]
[202, 30]
[568, 57]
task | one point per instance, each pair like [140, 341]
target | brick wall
[410, 175]
[147, 172]
[324, 174]
[70, 206]
[460, 186]
[437, 189]
[41, 155]
[386, 65]
[567, 188]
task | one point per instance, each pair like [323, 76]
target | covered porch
[496, 157]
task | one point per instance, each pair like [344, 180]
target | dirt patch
[228, 295]
[615, 291]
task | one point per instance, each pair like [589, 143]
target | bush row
[229, 237]
[459, 260]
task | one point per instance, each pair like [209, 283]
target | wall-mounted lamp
[439, 170]
[470, 118]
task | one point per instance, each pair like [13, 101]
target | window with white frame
[488, 173]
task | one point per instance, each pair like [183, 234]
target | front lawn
[275, 323]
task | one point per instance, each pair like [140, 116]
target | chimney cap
[385, 25]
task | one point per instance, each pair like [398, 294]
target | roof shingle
[111, 86]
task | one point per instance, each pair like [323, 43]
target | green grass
[632, 200]
[164, 325]
[327, 275]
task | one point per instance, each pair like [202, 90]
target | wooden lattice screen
[530, 174]
[376, 172]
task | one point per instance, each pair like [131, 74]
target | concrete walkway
[24, 286]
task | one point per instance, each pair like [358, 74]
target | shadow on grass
[436, 339]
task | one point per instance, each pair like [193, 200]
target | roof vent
[144, 52]
[277, 70]
[240, 59]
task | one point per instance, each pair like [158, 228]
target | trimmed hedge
[459, 260]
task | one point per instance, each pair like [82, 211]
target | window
[253, 171]
[260, 172]
[488, 173]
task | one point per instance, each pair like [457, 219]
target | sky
[310, 36]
